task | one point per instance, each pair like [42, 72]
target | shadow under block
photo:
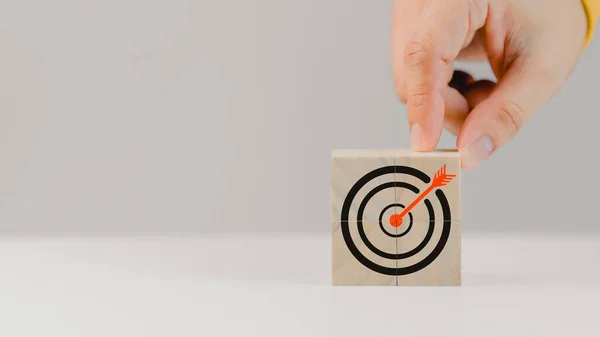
[396, 218]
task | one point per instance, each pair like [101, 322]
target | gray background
[139, 116]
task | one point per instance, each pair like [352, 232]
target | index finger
[435, 42]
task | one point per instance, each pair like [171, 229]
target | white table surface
[263, 285]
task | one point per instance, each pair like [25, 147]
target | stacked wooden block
[396, 217]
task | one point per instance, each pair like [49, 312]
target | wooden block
[360, 259]
[408, 208]
[439, 257]
[348, 169]
[418, 169]
[430, 252]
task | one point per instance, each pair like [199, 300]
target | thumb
[525, 86]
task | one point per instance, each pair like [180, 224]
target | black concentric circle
[354, 249]
[410, 223]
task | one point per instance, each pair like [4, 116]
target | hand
[532, 46]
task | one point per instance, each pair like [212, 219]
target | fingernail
[416, 137]
[477, 152]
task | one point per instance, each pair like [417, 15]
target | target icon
[397, 220]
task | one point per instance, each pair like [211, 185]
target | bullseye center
[395, 220]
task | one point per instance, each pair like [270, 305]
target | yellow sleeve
[592, 9]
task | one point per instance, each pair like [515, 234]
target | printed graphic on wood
[414, 206]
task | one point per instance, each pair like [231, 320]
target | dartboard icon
[396, 220]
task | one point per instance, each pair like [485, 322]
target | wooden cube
[396, 217]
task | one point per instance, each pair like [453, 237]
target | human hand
[532, 46]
